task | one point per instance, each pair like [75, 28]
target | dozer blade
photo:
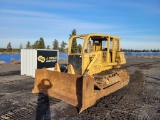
[64, 86]
[74, 89]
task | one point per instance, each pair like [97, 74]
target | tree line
[131, 50]
[40, 44]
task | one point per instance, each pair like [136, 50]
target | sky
[136, 22]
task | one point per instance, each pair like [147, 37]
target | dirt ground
[140, 99]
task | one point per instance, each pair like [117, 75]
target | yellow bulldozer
[93, 71]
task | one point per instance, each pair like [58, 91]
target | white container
[31, 60]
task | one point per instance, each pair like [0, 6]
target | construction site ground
[140, 99]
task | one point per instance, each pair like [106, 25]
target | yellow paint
[70, 69]
[99, 60]
[57, 68]
[41, 59]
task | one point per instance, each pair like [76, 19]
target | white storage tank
[32, 59]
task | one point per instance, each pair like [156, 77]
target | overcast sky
[137, 22]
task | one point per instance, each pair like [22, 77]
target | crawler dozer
[93, 71]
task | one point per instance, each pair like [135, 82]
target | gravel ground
[140, 99]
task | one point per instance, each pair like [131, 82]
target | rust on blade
[88, 93]
[64, 86]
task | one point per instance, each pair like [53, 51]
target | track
[112, 105]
